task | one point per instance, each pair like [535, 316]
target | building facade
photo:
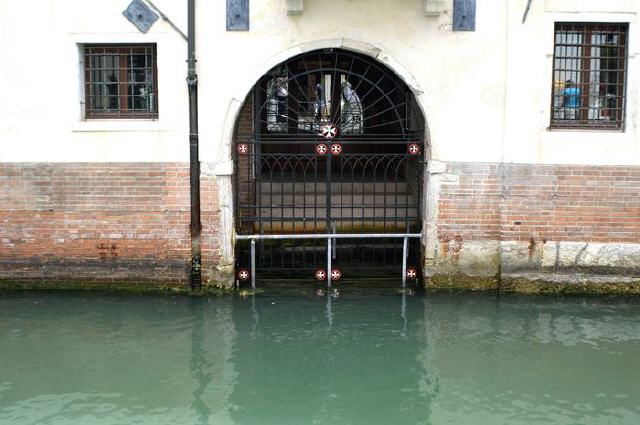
[524, 116]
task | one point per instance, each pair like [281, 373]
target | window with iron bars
[589, 73]
[120, 81]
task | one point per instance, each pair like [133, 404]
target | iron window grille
[120, 81]
[589, 73]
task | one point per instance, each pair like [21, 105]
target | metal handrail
[329, 237]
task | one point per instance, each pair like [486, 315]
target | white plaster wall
[530, 61]
[41, 93]
[445, 64]
[486, 94]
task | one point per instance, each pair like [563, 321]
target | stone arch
[224, 169]
[367, 49]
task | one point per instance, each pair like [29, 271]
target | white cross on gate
[411, 273]
[321, 149]
[336, 274]
[336, 149]
[243, 148]
[320, 274]
[243, 274]
[328, 131]
[414, 149]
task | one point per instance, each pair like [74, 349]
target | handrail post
[253, 264]
[333, 241]
[405, 248]
[329, 262]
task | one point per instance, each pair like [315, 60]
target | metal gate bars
[329, 188]
[332, 167]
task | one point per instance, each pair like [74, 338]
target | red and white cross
[328, 131]
[243, 274]
[321, 149]
[243, 148]
[320, 274]
[413, 149]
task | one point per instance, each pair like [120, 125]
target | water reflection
[211, 361]
[368, 357]
[331, 360]
[200, 362]
[534, 360]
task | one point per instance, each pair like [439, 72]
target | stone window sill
[107, 125]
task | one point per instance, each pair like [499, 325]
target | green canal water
[366, 357]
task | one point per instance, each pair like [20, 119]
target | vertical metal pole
[253, 264]
[333, 241]
[328, 262]
[328, 190]
[328, 212]
[405, 248]
[194, 159]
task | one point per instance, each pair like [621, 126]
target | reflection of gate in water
[335, 148]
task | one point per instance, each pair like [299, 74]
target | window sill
[584, 130]
[120, 124]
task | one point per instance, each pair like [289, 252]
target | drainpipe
[194, 160]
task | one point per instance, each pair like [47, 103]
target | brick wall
[101, 221]
[515, 202]
[130, 221]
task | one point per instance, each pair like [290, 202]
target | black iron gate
[327, 156]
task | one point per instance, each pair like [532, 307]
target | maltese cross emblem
[321, 149]
[243, 148]
[328, 131]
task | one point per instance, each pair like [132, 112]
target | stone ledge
[538, 283]
[461, 282]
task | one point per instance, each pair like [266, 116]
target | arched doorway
[329, 141]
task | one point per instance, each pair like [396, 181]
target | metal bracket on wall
[464, 15]
[433, 7]
[295, 7]
[237, 15]
[140, 15]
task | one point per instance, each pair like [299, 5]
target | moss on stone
[535, 284]
[570, 286]
[112, 286]
[564, 284]
[459, 281]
